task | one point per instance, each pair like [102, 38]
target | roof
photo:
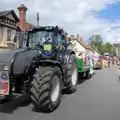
[48, 28]
[4, 13]
[95, 49]
[90, 48]
[86, 46]
[83, 44]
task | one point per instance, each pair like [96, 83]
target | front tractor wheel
[72, 77]
[46, 88]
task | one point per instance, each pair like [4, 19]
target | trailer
[85, 69]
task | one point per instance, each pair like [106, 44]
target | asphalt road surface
[96, 99]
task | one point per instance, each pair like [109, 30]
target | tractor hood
[7, 57]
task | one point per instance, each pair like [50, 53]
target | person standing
[108, 63]
[116, 61]
[113, 62]
[105, 63]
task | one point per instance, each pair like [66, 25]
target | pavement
[95, 99]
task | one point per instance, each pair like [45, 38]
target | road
[96, 99]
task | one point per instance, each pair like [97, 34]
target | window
[38, 38]
[59, 39]
[9, 35]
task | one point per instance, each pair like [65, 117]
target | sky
[83, 17]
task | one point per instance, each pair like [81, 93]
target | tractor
[41, 70]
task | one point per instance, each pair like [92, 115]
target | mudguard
[7, 58]
[23, 61]
[63, 57]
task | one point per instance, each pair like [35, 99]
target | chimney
[22, 16]
[81, 39]
[77, 37]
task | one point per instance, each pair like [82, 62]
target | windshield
[38, 38]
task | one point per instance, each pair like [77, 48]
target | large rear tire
[46, 88]
[72, 76]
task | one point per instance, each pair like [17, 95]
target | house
[96, 52]
[23, 24]
[89, 50]
[8, 28]
[11, 25]
[78, 45]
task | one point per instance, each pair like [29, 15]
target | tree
[108, 47]
[96, 40]
[114, 52]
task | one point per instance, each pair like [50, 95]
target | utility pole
[37, 18]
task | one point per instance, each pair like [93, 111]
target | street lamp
[38, 19]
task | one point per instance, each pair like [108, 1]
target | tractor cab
[47, 39]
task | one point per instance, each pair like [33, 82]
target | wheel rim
[55, 89]
[74, 75]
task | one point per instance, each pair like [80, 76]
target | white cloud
[75, 16]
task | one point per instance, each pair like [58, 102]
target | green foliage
[108, 47]
[96, 40]
[114, 53]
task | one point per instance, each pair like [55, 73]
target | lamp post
[38, 19]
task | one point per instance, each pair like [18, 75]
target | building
[78, 46]
[23, 24]
[8, 29]
[96, 52]
[89, 50]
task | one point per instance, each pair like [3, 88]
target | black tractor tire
[42, 88]
[70, 86]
